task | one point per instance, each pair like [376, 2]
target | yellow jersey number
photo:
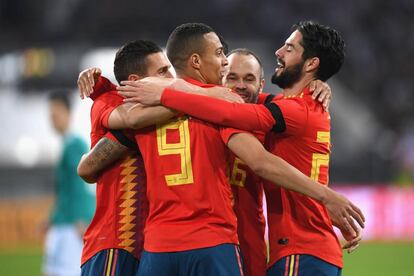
[182, 148]
[319, 159]
[238, 175]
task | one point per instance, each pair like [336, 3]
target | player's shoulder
[108, 97]
[296, 102]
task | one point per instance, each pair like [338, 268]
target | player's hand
[87, 80]
[343, 212]
[225, 94]
[147, 91]
[352, 241]
[321, 92]
[218, 92]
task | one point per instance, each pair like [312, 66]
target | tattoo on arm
[105, 152]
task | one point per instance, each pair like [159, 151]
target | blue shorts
[113, 261]
[223, 259]
[303, 265]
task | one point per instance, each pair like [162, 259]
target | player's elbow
[257, 164]
[86, 173]
[259, 168]
[133, 123]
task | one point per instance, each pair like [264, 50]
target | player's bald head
[186, 40]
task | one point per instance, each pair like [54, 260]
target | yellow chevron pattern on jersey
[127, 225]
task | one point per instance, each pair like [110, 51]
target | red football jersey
[248, 205]
[297, 223]
[301, 136]
[190, 200]
[103, 85]
[121, 205]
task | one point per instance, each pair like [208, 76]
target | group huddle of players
[181, 164]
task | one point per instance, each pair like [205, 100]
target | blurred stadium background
[45, 44]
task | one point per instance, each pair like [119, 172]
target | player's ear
[262, 84]
[195, 61]
[311, 64]
[134, 77]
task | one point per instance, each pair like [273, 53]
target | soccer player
[300, 133]
[207, 65]
[113, 242]
[74, 204]
[245, 76]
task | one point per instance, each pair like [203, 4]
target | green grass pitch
[377, 259]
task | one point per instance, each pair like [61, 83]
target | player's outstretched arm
[242, 116]
[218, 92]
[148, 91]
[268, 166]
[104, 153]
[137, 116]
[140, 116]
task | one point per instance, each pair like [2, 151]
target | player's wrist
[325, 195]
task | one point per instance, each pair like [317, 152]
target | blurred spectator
[74, 204]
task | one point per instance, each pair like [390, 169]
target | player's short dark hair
[61, 96]
[224, 43]
[247, 52]
[131, 58]
[322, 42]
[185, 40]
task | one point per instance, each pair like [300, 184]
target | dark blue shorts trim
[303, 265]
[111, 262]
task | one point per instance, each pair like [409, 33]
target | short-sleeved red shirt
[297, 223]
[121, 205]
[248, 205]
[300, 134]
[188, 190]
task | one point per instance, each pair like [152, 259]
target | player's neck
[297, 87]
[192, 75]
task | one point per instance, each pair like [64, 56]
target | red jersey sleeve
[104, 105]
[262, 97]
[103, 85]
[227, 132]
[242, 116]
[293, 114]
[100, 111]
